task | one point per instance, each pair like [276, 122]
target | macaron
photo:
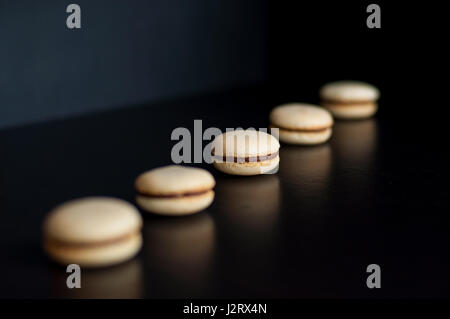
[175, 190]
[246, 152]
[93, 232]
[350, 99]
[302, 124]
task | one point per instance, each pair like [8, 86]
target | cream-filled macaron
[302, 124]
[248, 152]
[93, 232]
[350, 99]
[175, 190]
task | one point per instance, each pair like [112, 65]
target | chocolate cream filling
[196, 193]
[247, 159]
[317, 130]
[65, 244]
[347, 103]
[306, 131]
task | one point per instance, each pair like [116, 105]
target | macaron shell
[347, 91]
[95, 255]
[177, 206]
[247, 168]
[354, 111]
[305, 138]
[299, 116]
[246, 143]
[92, 219]
[174, 180]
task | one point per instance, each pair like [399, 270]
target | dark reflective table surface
[375, 193]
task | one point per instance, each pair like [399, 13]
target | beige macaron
[302, 124]
[175, 190]
[246, 152]
[350, 99]
[93, 232]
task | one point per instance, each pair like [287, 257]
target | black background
[376, 193]
[125, 53]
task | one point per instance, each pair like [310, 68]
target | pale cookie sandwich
[246, 152]
[93, 232]
[350, 99]
[175, 190]
[302, 124]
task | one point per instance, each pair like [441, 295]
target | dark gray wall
[126, 52]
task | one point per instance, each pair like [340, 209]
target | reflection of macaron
[123, 281]
[188, 242]
[302, 123]
[350, 99]
[246, 152]
[175, 190]
[251, 205]
[93, 231]
[356, 141]
[312, 177]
